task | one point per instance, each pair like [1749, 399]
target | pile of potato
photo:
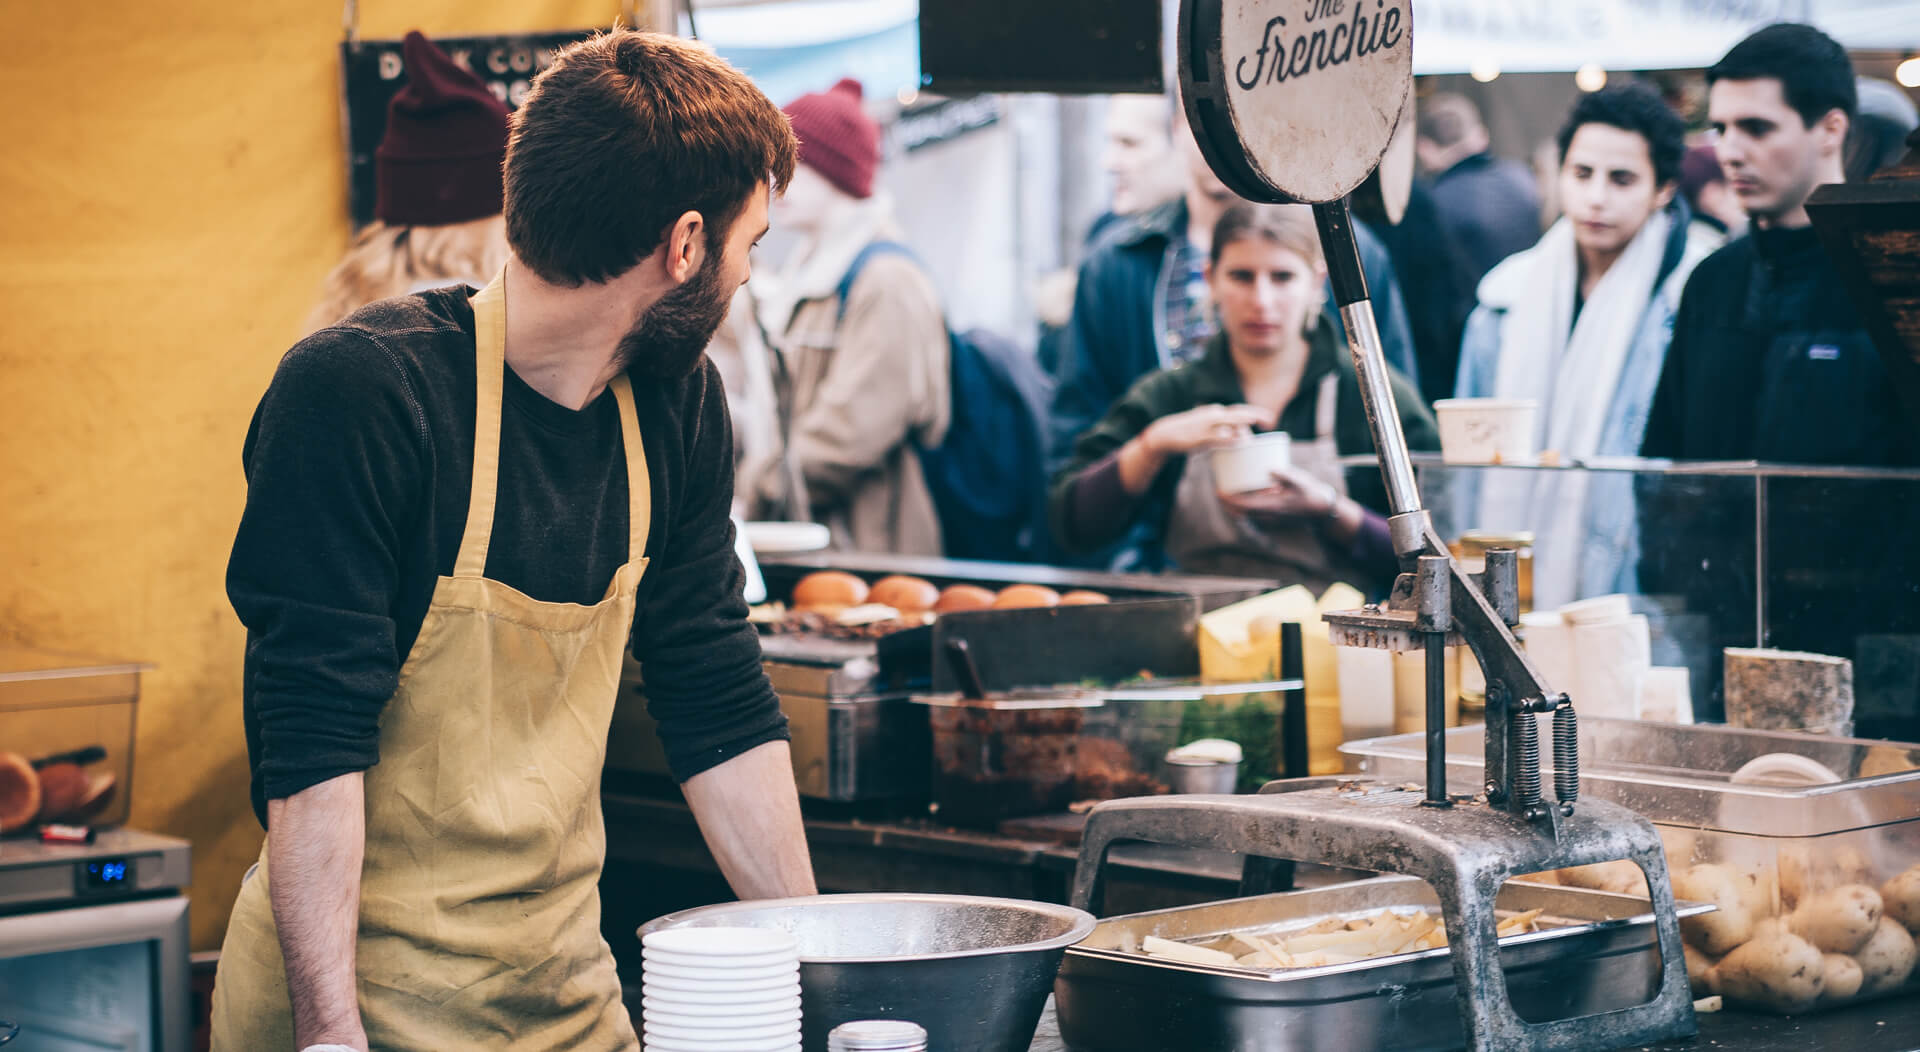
[1807, 933]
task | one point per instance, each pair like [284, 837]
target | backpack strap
[845, 288]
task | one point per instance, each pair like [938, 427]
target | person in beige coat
[867, 378]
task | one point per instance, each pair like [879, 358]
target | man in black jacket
[1768, 360]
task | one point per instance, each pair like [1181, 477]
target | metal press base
[1465, 852]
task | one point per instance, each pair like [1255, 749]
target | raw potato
[1886, 959]
[1900, 897]
[1619, 876]
[1806, 872]
[1731, 921]
[1781, 972]
[1838, 921]
[1699, 972]
[1681, 845]
[1843, 977]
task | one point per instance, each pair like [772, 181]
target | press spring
[1526, 760]
[1566, 755]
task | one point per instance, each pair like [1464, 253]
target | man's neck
[1202, 213]
[1831, 171]
[1594, 264]
[563, 342]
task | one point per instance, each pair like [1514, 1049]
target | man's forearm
[749, 813]
[315, 847]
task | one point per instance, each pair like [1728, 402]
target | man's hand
[749, 813]
[314, 850]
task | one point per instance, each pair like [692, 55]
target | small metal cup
[1186, 776]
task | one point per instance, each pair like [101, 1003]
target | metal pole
[1369, 361]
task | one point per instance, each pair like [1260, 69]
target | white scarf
[1572, 369]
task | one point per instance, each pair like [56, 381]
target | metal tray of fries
[1579, 952]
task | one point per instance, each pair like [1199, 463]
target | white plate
[696, 960]
[667, 1044]
[721, 973]
[721, 942]
[720, 1032]
[783, 986]
[720, 1000]
[660, 1017]
[770, 538]
[733, 1010]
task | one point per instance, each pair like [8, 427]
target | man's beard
[667, 341]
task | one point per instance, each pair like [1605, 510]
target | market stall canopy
[1549, 36]
[791, 47]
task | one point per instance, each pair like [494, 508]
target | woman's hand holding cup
[1205, 427]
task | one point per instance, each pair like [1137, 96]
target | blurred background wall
[172, 190]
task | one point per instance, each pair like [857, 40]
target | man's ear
[1664, 196]
[686, 245]
[1833, 130]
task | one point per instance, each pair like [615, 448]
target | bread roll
[19, 791]
[963, 597]
[63, 787]
[1082, 597]
[1021, 596]
[909, 595]
[829, 590]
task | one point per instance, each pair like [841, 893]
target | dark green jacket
[1212, 380]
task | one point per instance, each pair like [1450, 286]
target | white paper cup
[1487, 430]
[1249, 465]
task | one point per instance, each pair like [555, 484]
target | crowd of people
[1678, 306]
[1673, 302]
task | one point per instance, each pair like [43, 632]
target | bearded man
[463, 509]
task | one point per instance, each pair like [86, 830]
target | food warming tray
[1601, 956]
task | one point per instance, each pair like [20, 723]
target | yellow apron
[479, 904]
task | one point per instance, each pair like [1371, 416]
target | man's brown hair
[623, 134]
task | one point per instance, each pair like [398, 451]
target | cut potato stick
[1184, 952]
[1518, 923]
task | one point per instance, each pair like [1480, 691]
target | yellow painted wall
[172, 190]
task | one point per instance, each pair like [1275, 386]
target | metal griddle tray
[1600, 953]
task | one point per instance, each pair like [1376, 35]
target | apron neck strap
[1326, 408]
[639, 479]
[490, 363]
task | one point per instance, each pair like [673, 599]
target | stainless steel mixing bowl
[974, 971]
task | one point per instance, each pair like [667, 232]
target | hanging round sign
[1295, 100]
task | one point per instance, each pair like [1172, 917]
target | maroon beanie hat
[837, 138]
[439, 161]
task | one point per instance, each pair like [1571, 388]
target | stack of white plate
[720, 990]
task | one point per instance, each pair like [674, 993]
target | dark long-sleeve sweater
[359, 463]
[1769, 362]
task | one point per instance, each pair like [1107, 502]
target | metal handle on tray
[8, 1031]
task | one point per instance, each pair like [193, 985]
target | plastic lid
[877, 1035]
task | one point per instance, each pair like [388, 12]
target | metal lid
[877, 1035]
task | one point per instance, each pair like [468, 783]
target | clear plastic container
[1018, 754]
[72, 719]
[1808, 844]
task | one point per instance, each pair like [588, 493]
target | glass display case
[1718, 555]
[1808, 835]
